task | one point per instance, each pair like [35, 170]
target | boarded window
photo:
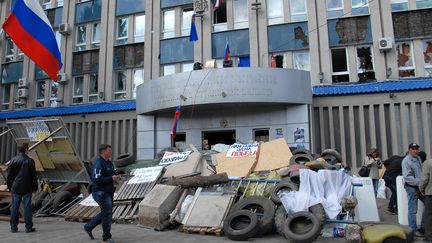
[129, 56]
[85, 62]
[412, 24]
[356, 30]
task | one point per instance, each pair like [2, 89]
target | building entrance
[214, 137]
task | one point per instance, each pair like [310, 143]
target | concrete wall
[154, 130]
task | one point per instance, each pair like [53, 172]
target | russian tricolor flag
[30, 29]
[176, 119]
[217, 4]
[227, 51]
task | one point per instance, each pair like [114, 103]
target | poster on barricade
[37, 130]
[174, 157]
[242, 150]
[90, 202]
[144, 175]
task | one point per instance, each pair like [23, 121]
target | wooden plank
[273, 155]
[234, 166]
[133, 211]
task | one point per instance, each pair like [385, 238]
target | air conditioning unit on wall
[385, 43]
[23, 93]
[22, 83]
[62, 78]
[63, 29]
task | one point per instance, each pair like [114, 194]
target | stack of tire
[300, 227]
[250, 217]
[329, 159]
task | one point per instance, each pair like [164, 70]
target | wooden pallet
[121, 212]
[201, 230]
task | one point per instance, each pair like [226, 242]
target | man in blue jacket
[103, 178]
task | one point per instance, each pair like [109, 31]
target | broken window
[54, 93]
[339, 65]
[301, 60]
[424, 3]
[365, 65]
[93, 88]
[220, 18]
[40, 93]
[120, 85]
[427, 54]
[356, 30]
[412, 24]
[405, 59]
[279, 61]
[275, 13]
[78, 89]
[6, 88]
[334, 8]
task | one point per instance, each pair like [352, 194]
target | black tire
[288, 186]
[61, 199]
[319, 212]
[263, 207]
[300, 159]
[301, 151]
[394, 240]
[302, 227]
[5, 206]
[280, 217]
[241, 225]
[124, 160]
[38, 200]
[333, 153]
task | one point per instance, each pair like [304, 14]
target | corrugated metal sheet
[70, 110]
[372, 87]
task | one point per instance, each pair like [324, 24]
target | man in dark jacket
[103, 178]
[22, 181]
[393, 169]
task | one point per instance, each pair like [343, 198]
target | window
[168, 24]
[46, 4]
[6, 88]
[298, 10]
[399, 5]
[168, 70]
[405, 60]
[334, 8]
[424, 3]
[427, 54]
[54, 93]
[359, 3]
[241, 14]
[186, 21]
[278, 60]
[275, 13]
[10, 50]
[186, 67]
[220, 18]
[365, 64]
[122, 31]
[95, 42]
[301, 60]
[120, 85]
[339, 65]
[40, 93]
[59, 3]
[261, 135]
[80, 44]
[139, 28]
[93, 88]
[138, 79]
[78, 90]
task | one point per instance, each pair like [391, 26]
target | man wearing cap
[411, 172]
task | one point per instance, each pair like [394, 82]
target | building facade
[110, 47]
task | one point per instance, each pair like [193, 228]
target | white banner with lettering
[144, 175]
[242, 150]
[37, 130]
[174, 157]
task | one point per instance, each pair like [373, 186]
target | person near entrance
[103, 178]
[411, 172]
[22, 181]
[393, 170]
[373, 161]
[425, 188]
